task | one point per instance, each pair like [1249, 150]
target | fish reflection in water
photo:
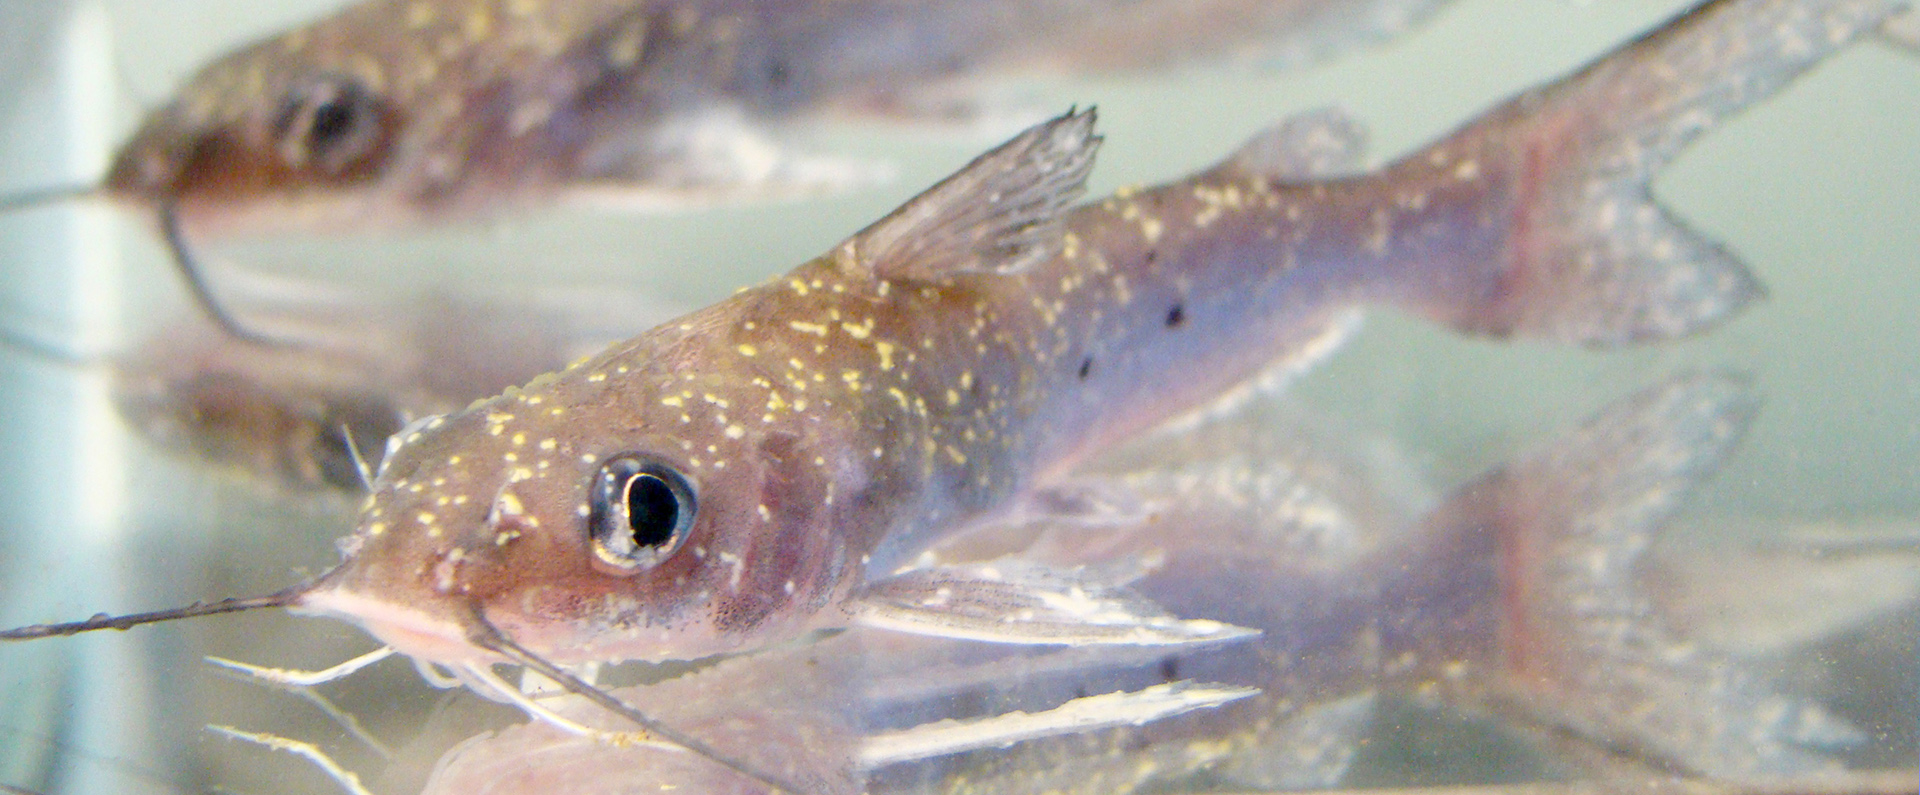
[1517, 595]
[350, 370]
[403, 111]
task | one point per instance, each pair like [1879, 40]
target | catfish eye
[331, 123]
[639, 511]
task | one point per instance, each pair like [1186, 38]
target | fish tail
[1586, 255]
[1580, 647]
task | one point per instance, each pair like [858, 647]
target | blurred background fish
[401, 111]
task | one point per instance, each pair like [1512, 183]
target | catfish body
[1263, 519]
[397, 111]
[746, 473]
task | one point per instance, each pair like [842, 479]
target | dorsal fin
[1315, 144]
[999, 214]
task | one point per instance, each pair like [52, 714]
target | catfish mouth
[416, 633]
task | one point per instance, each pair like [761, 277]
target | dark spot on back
[1153, 255]
[1176, 315]
[777, 73]
[1170, 669]
[1086, 367]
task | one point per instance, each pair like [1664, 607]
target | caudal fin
[1581, 646]
[1588, 256]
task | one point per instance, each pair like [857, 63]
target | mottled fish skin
[404, 111]
[922, 377]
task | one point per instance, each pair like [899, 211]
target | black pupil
[331, 120]
[652, 510]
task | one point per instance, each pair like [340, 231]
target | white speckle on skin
[739, 567]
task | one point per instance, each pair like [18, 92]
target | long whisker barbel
[176, 240]
[104, 621]
[482, 633]
[37, 197]
[197, 286]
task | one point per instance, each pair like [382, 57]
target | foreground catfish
[1517, 594]
[767, 466]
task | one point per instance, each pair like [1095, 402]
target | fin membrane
[1583, 647]
[999, 214]
[1589, 256]
[1011, 601]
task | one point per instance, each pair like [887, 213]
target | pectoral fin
[1107, 710]
[999, 214]
[1016, 602]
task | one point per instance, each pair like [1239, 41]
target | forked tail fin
[1580, 644]
[1586, 254]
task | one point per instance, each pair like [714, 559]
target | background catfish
[393, 112]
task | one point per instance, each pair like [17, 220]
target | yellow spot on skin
[419, 15]
[1467, 170]
[672, 400]
[1150, 228]
[808, 328]
[748, 350]
[799, 286]
[859, 332]
[479, 24]
[425, 517]
[765, 515]
[735, 432]
[885, 349]
[549, 444]
[519, 439]
[377, 528]
[953, 398]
